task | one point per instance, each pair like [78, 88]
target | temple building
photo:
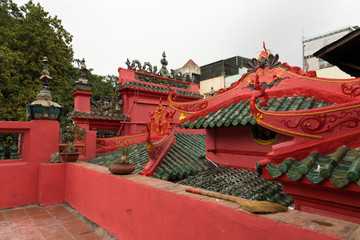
[291, 126]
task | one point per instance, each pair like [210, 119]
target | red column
[82, 101]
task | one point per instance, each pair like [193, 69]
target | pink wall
[82, 101]
[246, 152]
[19, 177]
[137, 207]
[137, 103]
[138, 106]
[51, 183]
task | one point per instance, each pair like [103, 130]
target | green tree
[27, 34]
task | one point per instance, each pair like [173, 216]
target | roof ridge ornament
[136, 65]
[82, 84]
[163, 71]
[43, 107]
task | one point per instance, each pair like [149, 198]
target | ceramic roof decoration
[44, 108]
[340, 167]
[107, 108]
[82, 84]
[147, 68]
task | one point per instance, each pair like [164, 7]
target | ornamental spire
[45, 75]
[43, 107]
[83, 69]
[163, 71]
[82, 84]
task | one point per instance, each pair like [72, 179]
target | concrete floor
[55, 222]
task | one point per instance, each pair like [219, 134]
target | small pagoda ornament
[82, 84]
[163, 71]
[44, 108]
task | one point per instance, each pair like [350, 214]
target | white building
[314, 43]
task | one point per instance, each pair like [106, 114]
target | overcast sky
[108, 32]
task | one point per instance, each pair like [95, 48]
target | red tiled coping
[332, 228]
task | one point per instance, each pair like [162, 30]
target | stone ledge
[325, 225]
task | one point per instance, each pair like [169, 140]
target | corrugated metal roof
[352, 28]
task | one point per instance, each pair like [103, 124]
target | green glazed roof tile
[240, 114]
[182, 160]
[343, 167]
[239, 182]
[158, 89]
[92, 115]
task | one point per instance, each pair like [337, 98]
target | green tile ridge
[239, 113]
[273, 170]
[343, 167]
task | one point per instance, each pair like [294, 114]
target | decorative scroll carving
[161, 121]
[352, 89]
[153, 151]
[194, 107]
[326, 122]
[191, 108]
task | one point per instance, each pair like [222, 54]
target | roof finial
[43, 107]
[163, 61]
[82, 84]
[83, 69]
[264, 46]
[45, 75]
[163, 71]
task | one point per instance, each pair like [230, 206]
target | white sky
[108, 32]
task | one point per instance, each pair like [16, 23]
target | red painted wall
[132, 210]
[51, 183]
[137, 104]
[237, 139]
[19, 177]
[82, 101]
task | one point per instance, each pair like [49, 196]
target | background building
[221, 74]
[192, 69]
[315, 43]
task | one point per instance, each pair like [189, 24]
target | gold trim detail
[263, 142]
[307, 114]
[324, 80]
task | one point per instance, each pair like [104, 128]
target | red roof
[190, 62]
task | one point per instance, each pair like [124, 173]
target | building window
[263, 135]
